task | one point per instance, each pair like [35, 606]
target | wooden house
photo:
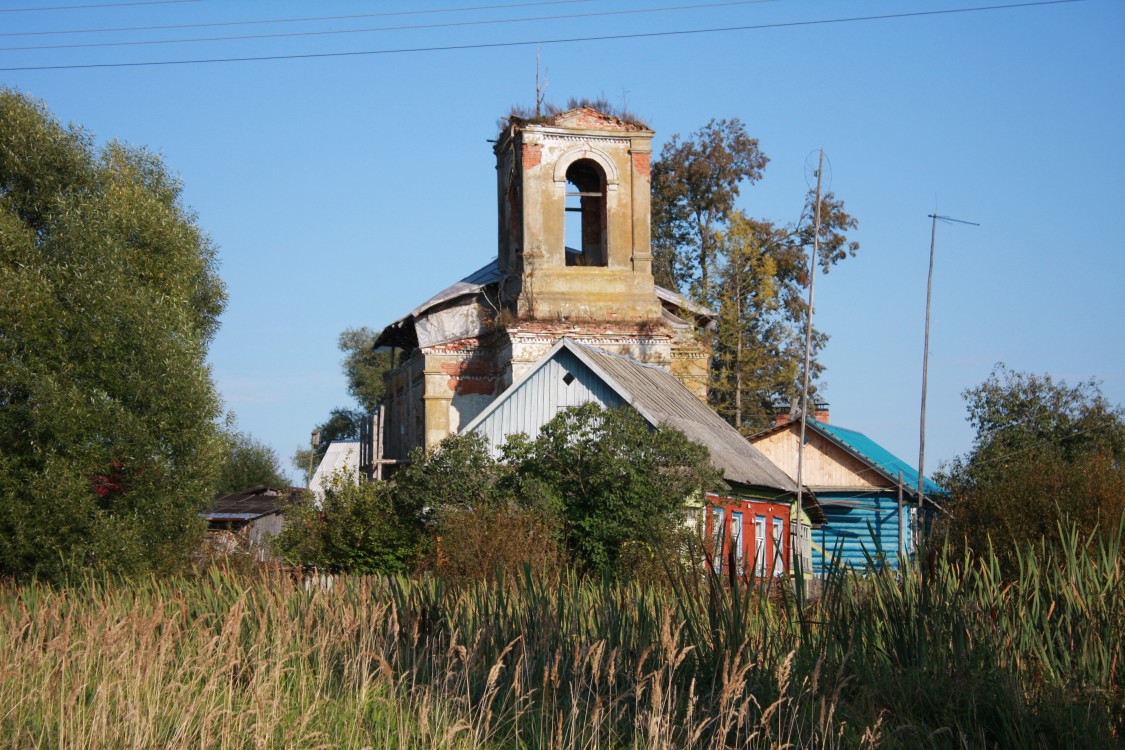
[868, 495]
[752, 525]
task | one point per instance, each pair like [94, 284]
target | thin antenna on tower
[540, 84]
[808, 338]
[925, 369]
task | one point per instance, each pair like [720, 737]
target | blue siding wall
[541, 396]
[851, 532]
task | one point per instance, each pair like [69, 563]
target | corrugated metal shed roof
[868, 451]
[342, 455]
[249, 503]
[662, 399]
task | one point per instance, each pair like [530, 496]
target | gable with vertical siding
[533, 402]
[572, 374]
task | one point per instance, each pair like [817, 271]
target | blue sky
[344, 190]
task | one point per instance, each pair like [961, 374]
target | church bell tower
[574, 219]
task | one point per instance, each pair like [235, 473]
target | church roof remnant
[478, 288]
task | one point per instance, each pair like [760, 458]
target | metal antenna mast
[808, 338]
[925, 369]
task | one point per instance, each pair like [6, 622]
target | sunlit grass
[230, 661]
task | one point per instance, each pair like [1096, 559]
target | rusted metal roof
[401, 334]
[247, 504]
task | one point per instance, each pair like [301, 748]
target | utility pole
[808, 352]
[314, 441]
[921, 530]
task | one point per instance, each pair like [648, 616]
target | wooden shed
[247, 520]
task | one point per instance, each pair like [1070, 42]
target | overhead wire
[309, 19]
[408, 27]
[559, 40]
[95, 5]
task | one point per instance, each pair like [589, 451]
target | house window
[760, 546]
[736, 543]
[717, 539]
[778, 547]
[586, 218]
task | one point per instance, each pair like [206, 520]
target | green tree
[695, 184]
[364, 368]
[358, 527]
[754, 345]
[247, 462]
[1044, 452]
[109, 297]
[615, 480]
[342, 424]
[762, 275]
[719, 256]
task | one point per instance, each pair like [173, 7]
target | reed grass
[959, 658]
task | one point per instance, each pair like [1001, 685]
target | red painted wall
[724, 510]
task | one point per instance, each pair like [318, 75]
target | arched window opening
[585, 239]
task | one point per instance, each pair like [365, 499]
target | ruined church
[574, 260]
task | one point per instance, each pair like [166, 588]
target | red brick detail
[467, 368]
[591, 119]
[482, 387]
[642, 163]
[532, 155]
[470, 377]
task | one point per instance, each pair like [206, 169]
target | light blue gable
[536, 399]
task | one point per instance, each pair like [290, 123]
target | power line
[265, 21]
[563, 40]
[410, 27]
[95, 5]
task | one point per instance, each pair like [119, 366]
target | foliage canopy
[752, 272]
[109, 296]
[589, 485]
[246, 462]
[1045, 453]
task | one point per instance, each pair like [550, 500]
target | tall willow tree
[109, 297]
[754, 273]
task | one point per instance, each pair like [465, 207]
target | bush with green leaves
[1045, 453]
[109, 296]
[592, 487]
[357, 527]
[614, 479]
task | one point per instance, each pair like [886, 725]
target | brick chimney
[781, 413]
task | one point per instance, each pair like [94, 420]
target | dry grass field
[225, 660]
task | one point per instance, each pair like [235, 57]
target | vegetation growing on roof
[548, 112]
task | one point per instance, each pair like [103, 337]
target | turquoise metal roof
[876, 455]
